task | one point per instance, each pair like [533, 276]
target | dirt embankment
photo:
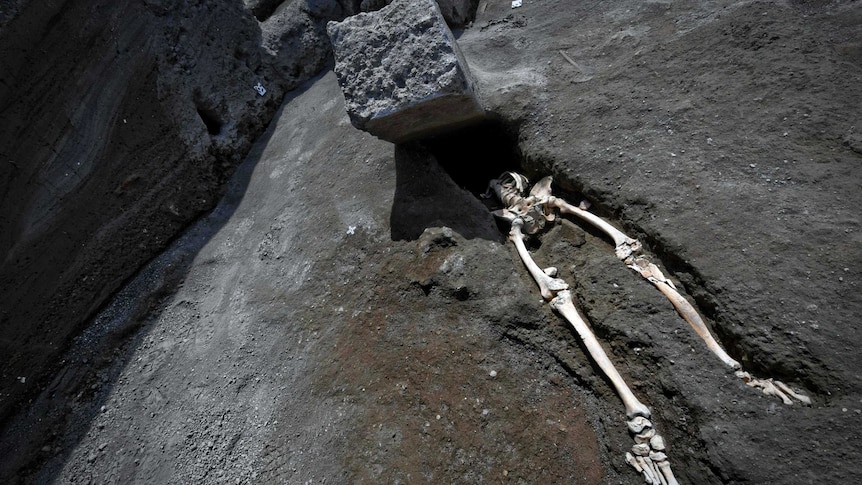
[120, 123]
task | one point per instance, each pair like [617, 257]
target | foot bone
[771, 387]
[647, 455]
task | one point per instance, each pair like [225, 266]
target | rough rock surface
[401, 72]
[458, 13]
[315, 325]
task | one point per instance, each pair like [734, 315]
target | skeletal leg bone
[562, 303]
[627, 249]
[548, 285]
[650, 460]
[624, 246]
[654, 275]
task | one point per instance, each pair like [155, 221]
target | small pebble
[493, 373]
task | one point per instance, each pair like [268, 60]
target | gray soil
[350, 311]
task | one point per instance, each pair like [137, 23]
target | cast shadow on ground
[439, 180]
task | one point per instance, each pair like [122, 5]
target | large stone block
[457, 13]
[401, 72]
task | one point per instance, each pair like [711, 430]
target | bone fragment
[521, 182]
[768, 388]
[664, 467]
[657, 456]
[645, 436]
[540, 193]
[562, 303]
[647, 454]
[658, 474]
[771, 387]
[641, 449]
[508, 188]
[655, 476]
[649, 474]
[542, 189]
[548, 285]
[630, 459]
[790, 392]
[657, 443]
[638, 424]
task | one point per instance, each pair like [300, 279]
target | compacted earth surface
[351, 312]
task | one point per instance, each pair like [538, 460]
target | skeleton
[529, 213]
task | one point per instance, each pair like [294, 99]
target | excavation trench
[475, 155]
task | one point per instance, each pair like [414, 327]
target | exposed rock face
[294, 35]
[120, 121]
[402, 73]
[457, 13]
